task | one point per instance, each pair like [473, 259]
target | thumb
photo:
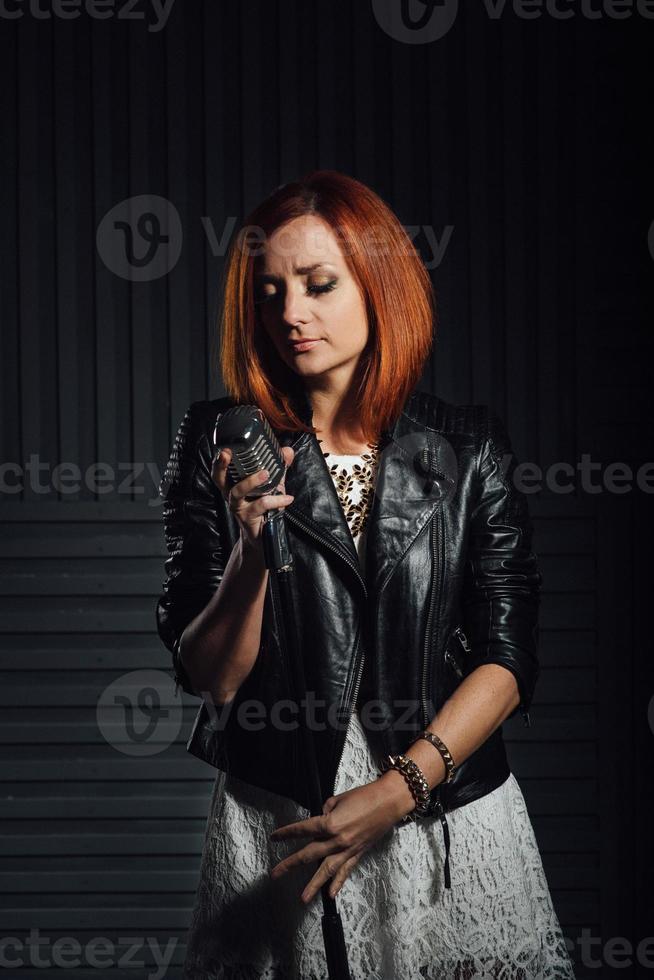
[329, 804]
[289, 455]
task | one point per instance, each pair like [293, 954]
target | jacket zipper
[353, 700]
[428, 654]
[272, 578]
[435, 594]
[346, 558]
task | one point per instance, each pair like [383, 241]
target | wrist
[251, 554]
[431, 763]
[398, 792]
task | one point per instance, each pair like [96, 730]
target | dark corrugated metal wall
[510, 142]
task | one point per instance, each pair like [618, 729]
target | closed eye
[326, 288]
[314, 289]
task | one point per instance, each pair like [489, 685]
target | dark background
[531, 139]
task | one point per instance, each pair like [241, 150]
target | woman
[396, 502]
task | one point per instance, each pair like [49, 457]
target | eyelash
[314, 290]
[326, 288]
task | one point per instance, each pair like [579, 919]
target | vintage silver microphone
[245, 430]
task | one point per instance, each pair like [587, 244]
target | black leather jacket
[450, 582]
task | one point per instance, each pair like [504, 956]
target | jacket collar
[403, 501]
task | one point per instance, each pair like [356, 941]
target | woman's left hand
[350, 823]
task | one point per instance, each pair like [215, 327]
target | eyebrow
[300, 270]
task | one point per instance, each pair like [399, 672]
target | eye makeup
[314, 289]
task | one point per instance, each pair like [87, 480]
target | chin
[307, 365]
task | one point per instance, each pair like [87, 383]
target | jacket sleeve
[198, 533]
[501, 579]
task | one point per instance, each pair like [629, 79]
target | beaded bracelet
[415, 779]
[450, 768]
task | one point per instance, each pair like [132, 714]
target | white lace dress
[496, 922]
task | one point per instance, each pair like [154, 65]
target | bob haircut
[394, 283]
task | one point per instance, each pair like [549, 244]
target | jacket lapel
[402, 504]
[404, 499]
[316, 502]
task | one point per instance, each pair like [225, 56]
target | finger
[331, 867]
[238, 491]
[255, 508]
[289, 455]
[307, 855]
[342, 875]
[221, 477]
[221, 460]
[310, 827]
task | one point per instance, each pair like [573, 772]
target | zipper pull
[450, 659]
[462, 638]
[525, 715]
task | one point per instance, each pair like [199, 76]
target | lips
[305, 344]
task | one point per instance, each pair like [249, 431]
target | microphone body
[245, 430]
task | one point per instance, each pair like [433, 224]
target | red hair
[394, 282]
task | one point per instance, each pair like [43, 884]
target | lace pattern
[400, 922]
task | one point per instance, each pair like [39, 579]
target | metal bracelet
[438, 743]
[415, 779]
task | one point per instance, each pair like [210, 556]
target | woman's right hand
[249, 513]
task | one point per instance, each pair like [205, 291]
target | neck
[335, 412]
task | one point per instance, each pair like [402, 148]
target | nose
[295, 306]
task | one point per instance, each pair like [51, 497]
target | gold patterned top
[354, 480]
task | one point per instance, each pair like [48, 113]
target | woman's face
[304, 289]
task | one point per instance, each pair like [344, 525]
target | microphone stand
[278, 559]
